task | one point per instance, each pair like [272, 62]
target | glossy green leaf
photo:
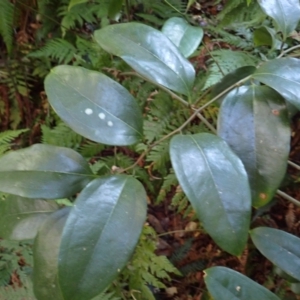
[232, 78]
[150, 53]
[215, 181]
[283, 75]
[22, 217]
[286, 14]
[185, 36]
[100, 235]
[226, 284]
[45, 257]
[94, 105]
[252, 120]
[281, 248]
[44, 171]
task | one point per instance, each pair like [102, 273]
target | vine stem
[288, 197]
[176, 231]
[180, 128]
[288, 51]
[294, 165]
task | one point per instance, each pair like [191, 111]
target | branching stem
[190, 119]
[288, 51]
[288, 197]
[292, 164]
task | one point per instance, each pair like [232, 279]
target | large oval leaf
[185, 36]
[286, 14]
[100, 235]
[281, 248]
[94, 105]
[21, 217]
[150, 53]
[283, 75]
[252, 120]
[226, 284]
[45, 256]
[216, 183]
[44, 171]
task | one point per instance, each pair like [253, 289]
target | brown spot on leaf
[275, 112]
[263, 196]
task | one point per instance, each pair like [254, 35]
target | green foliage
[226, 61]
[80, 13]
[58, 49]
[6, 23]
[7, 137]
[210, 172]
[61, 135]
[146, 269]
[239, 12]
[15, 260]
[157, 11]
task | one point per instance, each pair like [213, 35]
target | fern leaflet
[7, 137]
[6, 23]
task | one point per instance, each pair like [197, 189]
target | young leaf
[252, 120]
[286, 14]
[94, 105]
[185, 36]
[215, 181]
[44, 171]
[45, 256]
[100, 235]
[226, 284]
[22, 217]
[150, 53]
[266, 36]
[281, 248]
[282, 75]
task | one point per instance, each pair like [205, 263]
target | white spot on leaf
[102, 116]
[110, 123]
[88, 111]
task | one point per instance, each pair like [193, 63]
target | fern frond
[159, 156]
[7, 137]
[24, 292]
[146, 268]
[233, 39]
[169, 181]
[90, 149]
[227, 61]
[229, 7]
[6, 23]
[180, 253]
[238, 12]
[84, 12]
[106, 296]
[180, 202]
[58, 49]
[198, 265]
[61, 135]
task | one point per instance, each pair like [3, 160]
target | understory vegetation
[169, 245]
